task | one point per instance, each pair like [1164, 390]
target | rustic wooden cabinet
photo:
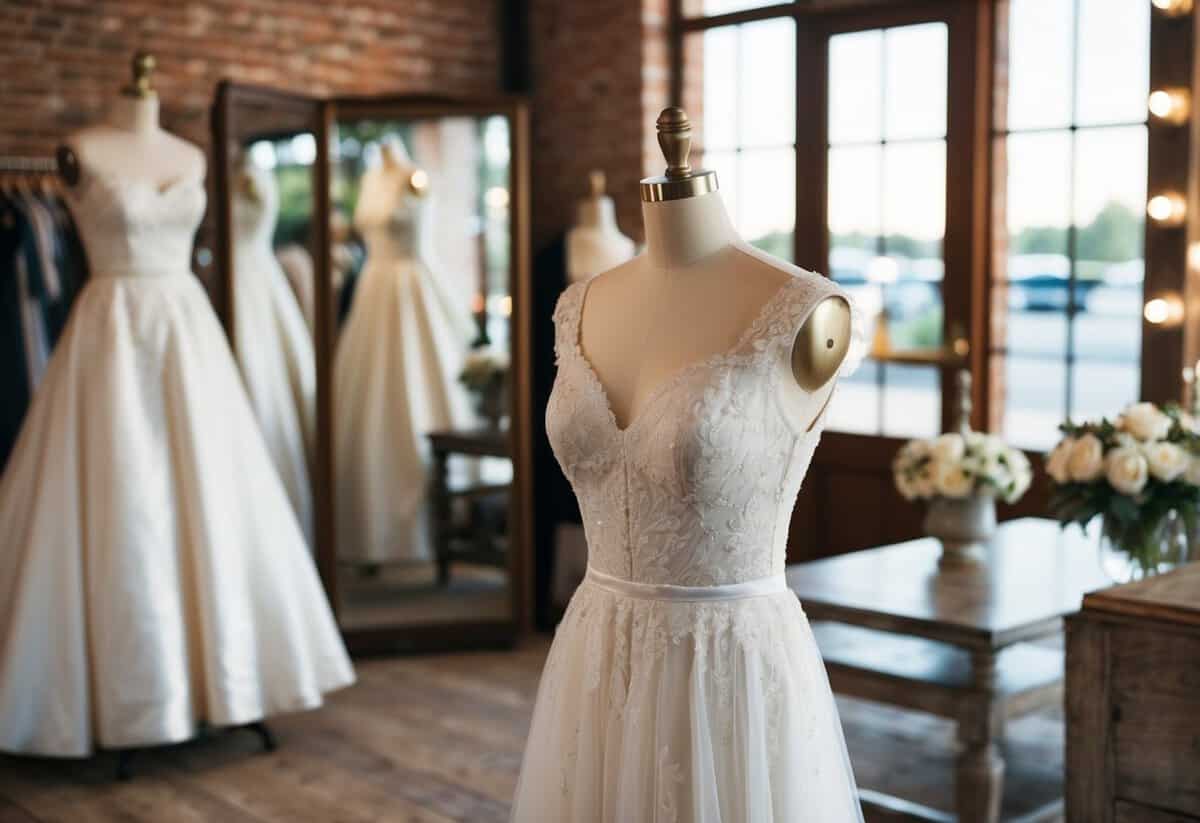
[1133, 703]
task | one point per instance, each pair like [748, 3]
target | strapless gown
[396, 371]
[274, 347]
[684, 684]
[153, 576]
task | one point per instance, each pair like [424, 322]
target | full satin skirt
[653, 711]
[395, 379]
[275, 354]
[153, 576]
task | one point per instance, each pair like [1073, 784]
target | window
[886, 214]
[744, 101]
[1069, 345]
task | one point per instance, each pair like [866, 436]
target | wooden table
[480, 548]
[953, 642]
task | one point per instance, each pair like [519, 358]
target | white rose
[952, 481]
[948, 448]
[1166, 460]
[923, 485]
[1145, 422]
[1086, 462]
[1189, 423]
[1058, 459]
[1192, 475]
[1127, 470]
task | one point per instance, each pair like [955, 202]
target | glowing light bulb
[1168, 209]
[1164, 310]
[1172, 7]
[1170, 105]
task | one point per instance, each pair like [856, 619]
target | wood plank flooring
[434, 739]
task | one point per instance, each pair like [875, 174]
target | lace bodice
[698, 489]
[134, 228]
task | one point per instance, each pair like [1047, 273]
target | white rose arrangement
[959, 465]
[483, 368]
[1132, 472]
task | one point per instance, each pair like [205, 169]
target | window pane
[912, 401]
[914, 198]
[767, 203]
[855, 404]
[1035, 394]
[1039, 62]
[1110, 193]
[1039, 191]
[855, 87]
[726, 165]
[719, 108]
[708, 8]
[915, 95]
[855, 202]
[1102, 389]
[1037, 320]
[1114, 61]
[767, 85]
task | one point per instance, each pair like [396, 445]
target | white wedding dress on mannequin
[396, 372]
[684, 684]
[153, 576]
[272, 343]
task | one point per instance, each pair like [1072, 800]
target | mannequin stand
[125, 756]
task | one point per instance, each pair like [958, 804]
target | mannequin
[595, 242]
[131, 146]
[694, 292]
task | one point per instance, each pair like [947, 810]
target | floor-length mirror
[422, 269]
[267, 201]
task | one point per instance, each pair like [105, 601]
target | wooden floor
[434, 739]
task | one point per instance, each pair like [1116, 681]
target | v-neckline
[679, 373]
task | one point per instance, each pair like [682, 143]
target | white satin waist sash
[774, 584]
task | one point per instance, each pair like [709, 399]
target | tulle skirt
[153, 576]
[661, 711]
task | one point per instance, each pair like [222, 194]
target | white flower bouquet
[1137, 473]
[958, 466]
[483, 368]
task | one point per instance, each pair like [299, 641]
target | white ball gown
[153, 576]
[272, 343]
[396, 369]
[684, 684]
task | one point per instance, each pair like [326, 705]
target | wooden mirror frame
[326, 113]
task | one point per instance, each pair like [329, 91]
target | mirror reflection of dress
[271, 340]
[396, 369]
[153, 576]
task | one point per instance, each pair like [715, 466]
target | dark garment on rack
[42, 269]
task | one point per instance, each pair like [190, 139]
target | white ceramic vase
[964, 526]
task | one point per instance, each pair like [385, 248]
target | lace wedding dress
[684, 684]
[273, 346]
[395, 379]
[153, 576]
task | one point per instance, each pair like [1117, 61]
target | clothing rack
[29, 165]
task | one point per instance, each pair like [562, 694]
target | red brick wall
[61, 61]
[600, 77]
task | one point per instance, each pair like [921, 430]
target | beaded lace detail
[698, 489]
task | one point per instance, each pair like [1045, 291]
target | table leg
[440, 504]
[980, 776]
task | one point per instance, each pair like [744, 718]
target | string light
[1167, 209]
[1172, 8]
[1170, 105]
[1165, 310]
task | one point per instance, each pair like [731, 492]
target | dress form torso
[691, 296]
[595, 243]
[132, 147]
